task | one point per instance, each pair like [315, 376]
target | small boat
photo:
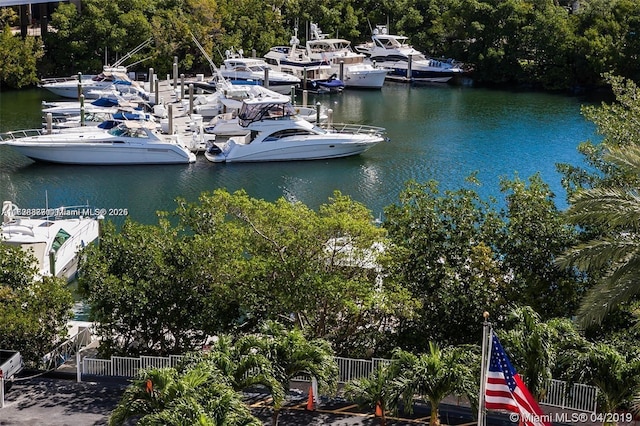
[130, 142]
[240, 70]
[316, 76]
[394, 52]
[53, 236]
[274, 132]
[347, 64]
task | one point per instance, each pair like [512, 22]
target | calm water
[442, 133]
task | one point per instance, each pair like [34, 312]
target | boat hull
[364, 77]
[433, 74]
[102, 153]
[301, 149]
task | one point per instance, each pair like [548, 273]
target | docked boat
[274, 132]
[240, 70]
[53, 236]
[394, 52]
[130, 142]
[317, 76]
[113, 77]
[350, 66]
[94, 86]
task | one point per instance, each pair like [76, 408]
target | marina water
[438, 132]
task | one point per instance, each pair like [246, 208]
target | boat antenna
[370, 27]
[214, 70]
[133, 52]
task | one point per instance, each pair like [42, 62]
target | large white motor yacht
[131, 142]
[111, 79]
[349, 65]
[238, 69]
[274, 132]
[317, 76]
[403, 61]
[53, 236]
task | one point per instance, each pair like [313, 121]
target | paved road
[60, 402]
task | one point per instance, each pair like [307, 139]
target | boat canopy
[256, 111]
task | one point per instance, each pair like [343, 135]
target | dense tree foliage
[18, 67]
[554, 45]
[243, 261]
[34, 313]
[442, 252]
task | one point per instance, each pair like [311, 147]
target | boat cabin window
[286, 133]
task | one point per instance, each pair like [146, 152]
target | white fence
[579, 398]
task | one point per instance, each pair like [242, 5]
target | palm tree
[291, 354]
[240, 361]
[605, 368]
[615, 253]
[435, 375]
[199, 396]
[531, 349]
[374, 392]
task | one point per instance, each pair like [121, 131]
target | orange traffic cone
[310, 405]
[378, 409]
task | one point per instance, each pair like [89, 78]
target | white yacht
[238, 69]
[112, 78]
[94, 86]
[317, 76]
[274, 132]
[393, 52]
[53, 236]
[350, 66]
[131, 142]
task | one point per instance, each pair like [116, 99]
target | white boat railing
[17, 134]
[352, 128]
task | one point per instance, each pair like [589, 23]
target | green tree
[602, 366]
[613, 254]
[435, 375]
[292, 354]
[441, 249]
[34, 312]
[199, 395]
[373, 392]
[18, 67]
[242, 363]
[536, 233]
[531, 348]
[323, 267]
[152, 291]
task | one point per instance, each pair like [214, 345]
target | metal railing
[67, 349]
[579, 397]
[352, 128]
[17, 134]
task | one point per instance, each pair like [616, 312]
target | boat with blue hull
[316, 75]
[405, 62]
[240, 70]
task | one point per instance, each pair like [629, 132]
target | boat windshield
[256, 112]
[257, 68]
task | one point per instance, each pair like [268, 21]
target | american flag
[505, 390]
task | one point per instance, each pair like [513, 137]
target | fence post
[78, 367]
[1, 389]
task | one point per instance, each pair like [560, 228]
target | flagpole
[486, 325]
